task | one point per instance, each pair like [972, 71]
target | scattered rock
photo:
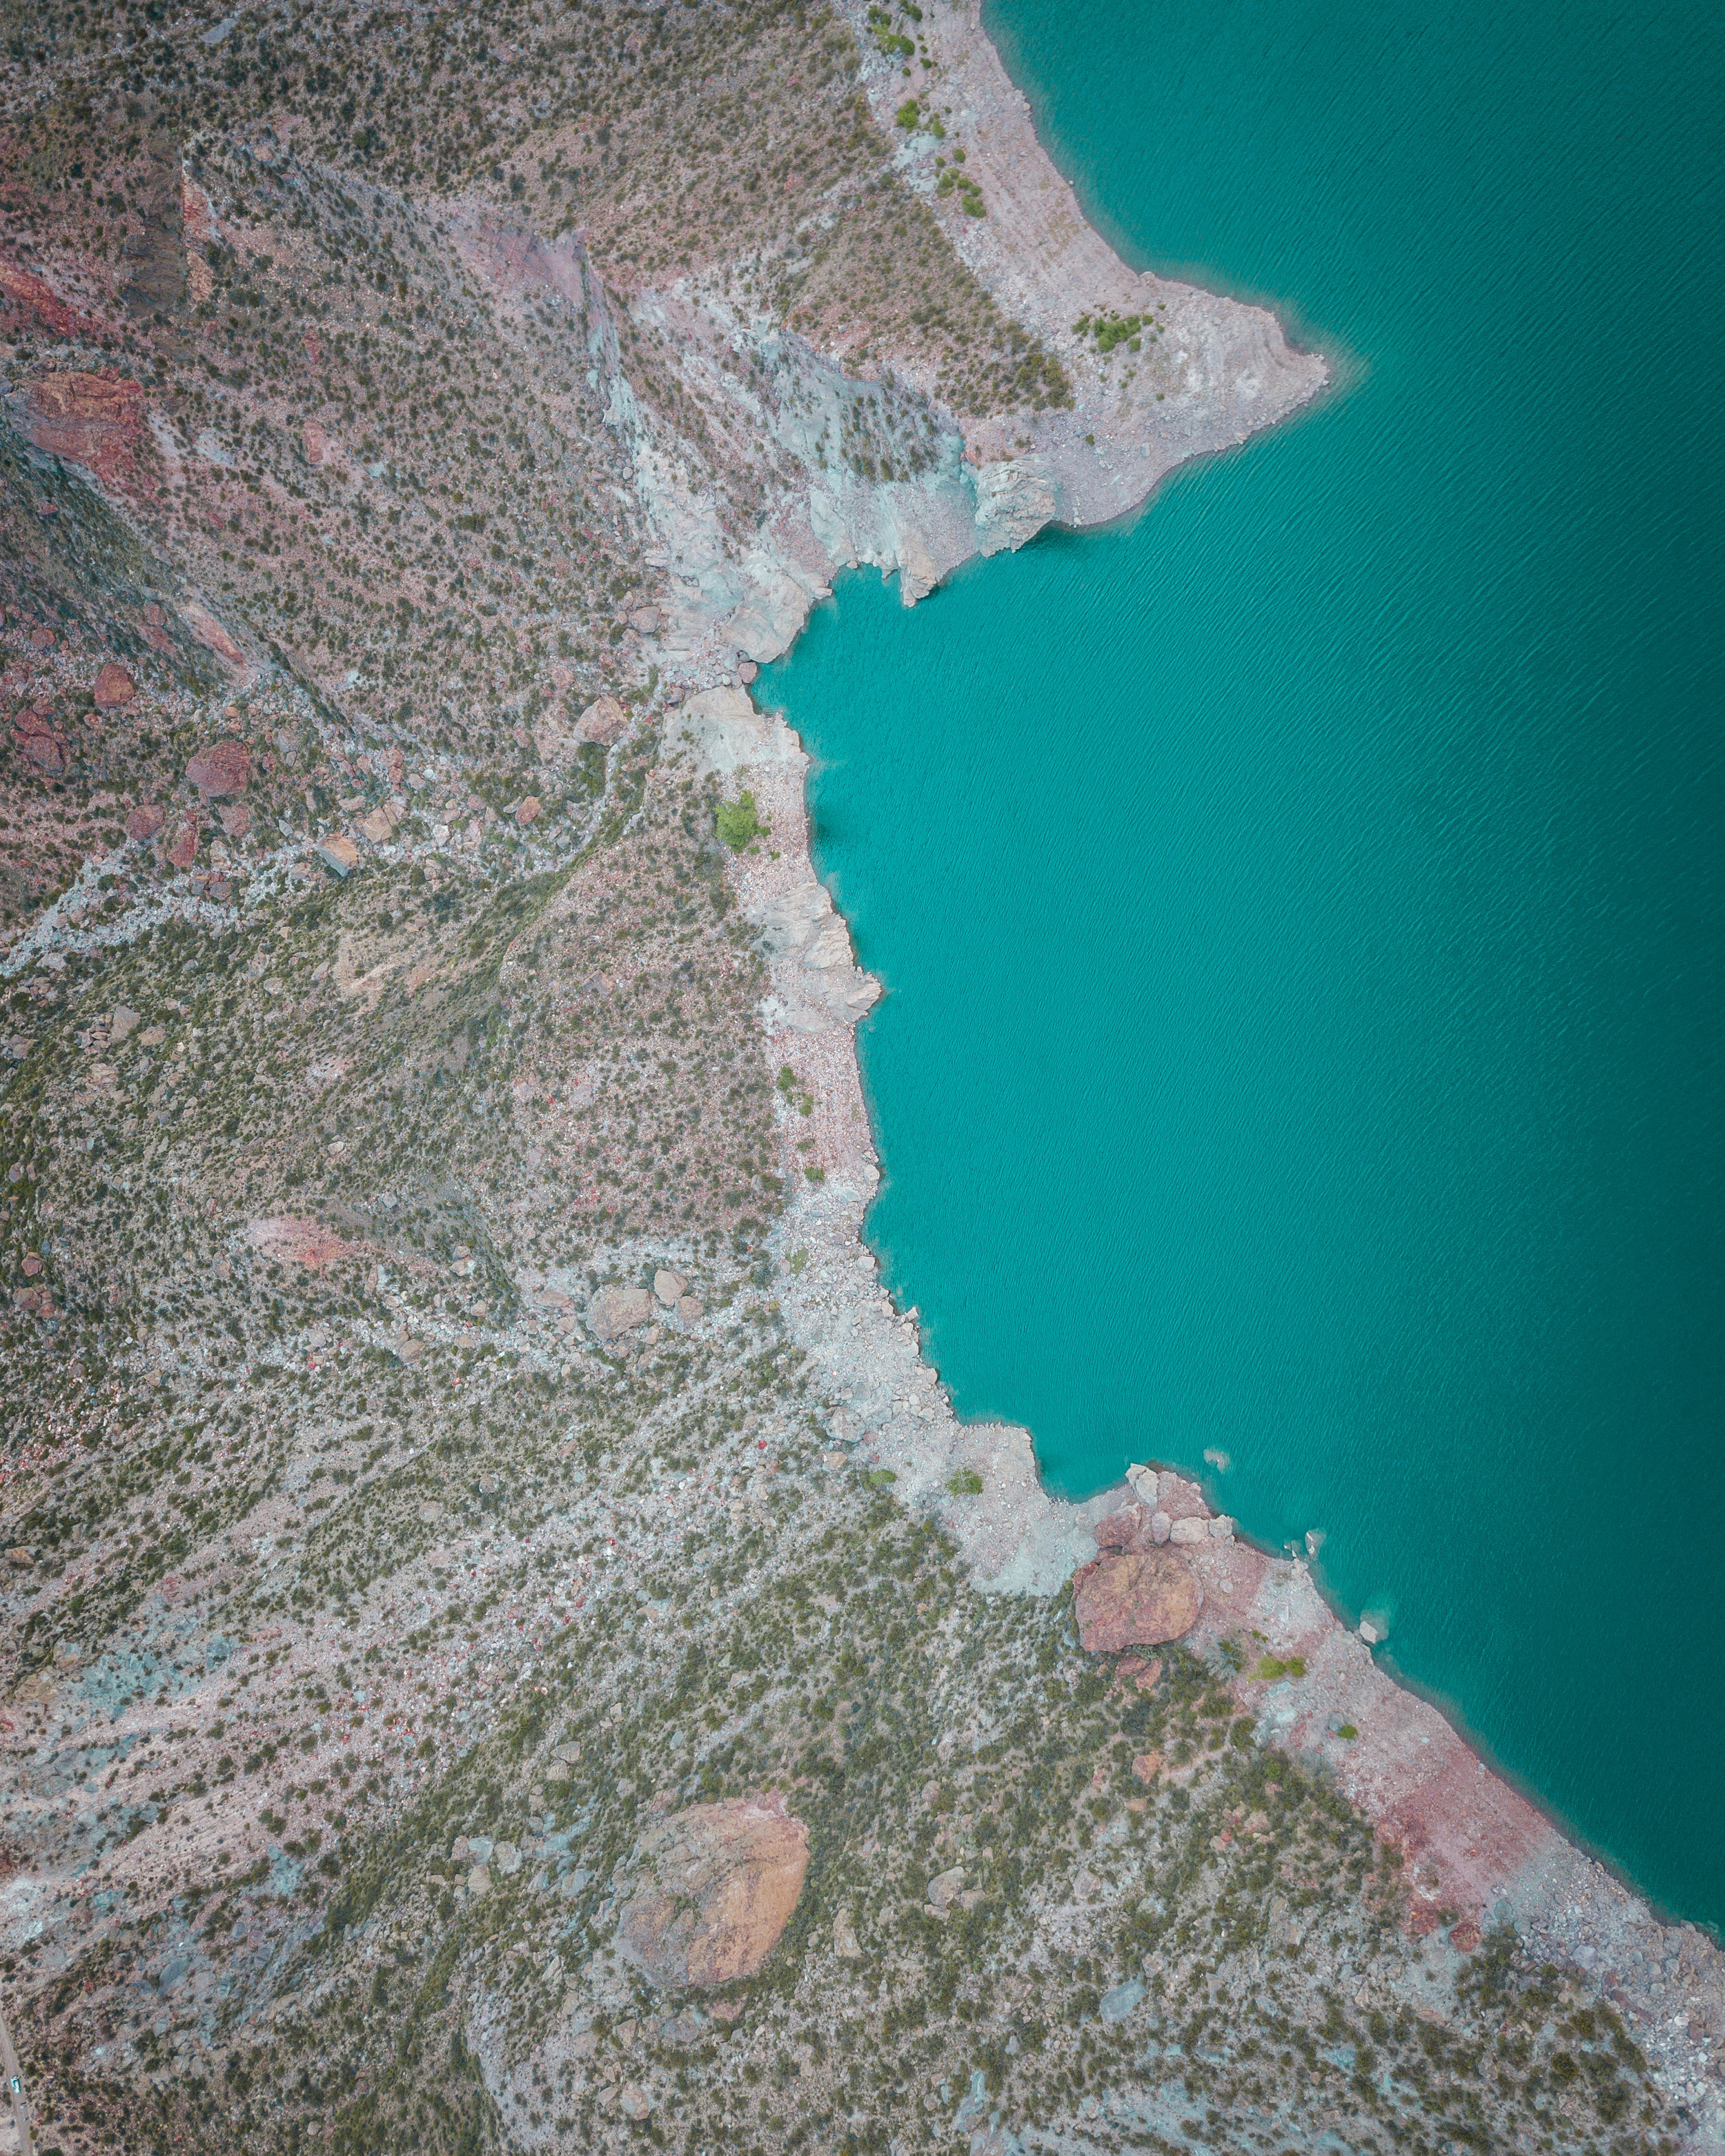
[528, 810]
[1187, 1533]
[408, 1350]
[113, 688]
[507, 1858]
[669, 1287]
[1134, 1599]
[619, 1310]
[945, 1889]
[480, 1847]
[236, 818]
[1161, 1527]
[1221, 1528]
[634, 2102]
[690, 1308]
[122, 1023]
[339, 853]
[844, 1943]
[21, 1557]
[1146, 1766]
[222, 770]
[376, 828]
[716, 1886]
[479, 1881]
[602, 720]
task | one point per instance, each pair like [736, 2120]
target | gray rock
[1160, 1526]
[669, 1287]
[480, 1847]
[619, 1310]
[1188, 1531]
[507, 1858]
[1122, 2001]
[1222, 1528]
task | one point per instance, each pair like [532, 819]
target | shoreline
[1481, 1850]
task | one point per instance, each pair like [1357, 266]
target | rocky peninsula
[505, 1644]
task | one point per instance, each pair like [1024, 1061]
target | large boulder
[619, 1310]
[1134, 1599]
[222, 770]
[715, 1887]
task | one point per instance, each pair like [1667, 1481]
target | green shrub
[966, 1483]
[738, 824]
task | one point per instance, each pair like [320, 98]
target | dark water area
[1303, 909]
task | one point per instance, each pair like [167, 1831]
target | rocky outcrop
[714, 1890]
[1134, 1599]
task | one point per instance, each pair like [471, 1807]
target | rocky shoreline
[1478, 1854]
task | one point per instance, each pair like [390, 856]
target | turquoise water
[1301, 910]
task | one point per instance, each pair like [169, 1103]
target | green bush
[966, 1483]
[738, 824]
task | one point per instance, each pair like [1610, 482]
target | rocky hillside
[470, 1676]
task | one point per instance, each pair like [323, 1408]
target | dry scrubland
[414, 1501]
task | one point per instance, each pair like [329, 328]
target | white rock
[507, 1858]
[1222, 1528]
[1190, 1532]
[844, 1943]
[1368, 1632]
[1142, 1481]
[1161, 1527]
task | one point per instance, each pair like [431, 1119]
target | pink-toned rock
[236, 818]
[211, 634]
[41, 744]
[297, 1242]
[182, 845]
[1146, 1766]
[90, 419]
[221, 770]
[602, 720]
[339, 853]
[113, 688]
[1134, 1599]
[715, 1889]
[528, 811]
[317, 442]
[146, 820]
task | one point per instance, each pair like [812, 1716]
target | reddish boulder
[1134, 1599]
[715, 1888]
[602, 720]
[527, 811]
[146, 820]
[183, 845]
[221, 770]
[113, 688]
[40, 744]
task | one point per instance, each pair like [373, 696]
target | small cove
[1301, 907]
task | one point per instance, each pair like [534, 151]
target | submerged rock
[715, 1887]
[1134, 1599]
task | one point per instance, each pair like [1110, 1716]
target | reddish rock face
[40, 744]
[1134, 1599]
[114, 687]
[182, 846]
[42, 301]
[211, 634]
[222, 769]
[91, 420]
[146, 820]
[715, 1888]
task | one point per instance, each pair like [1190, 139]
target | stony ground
[502, 1642]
